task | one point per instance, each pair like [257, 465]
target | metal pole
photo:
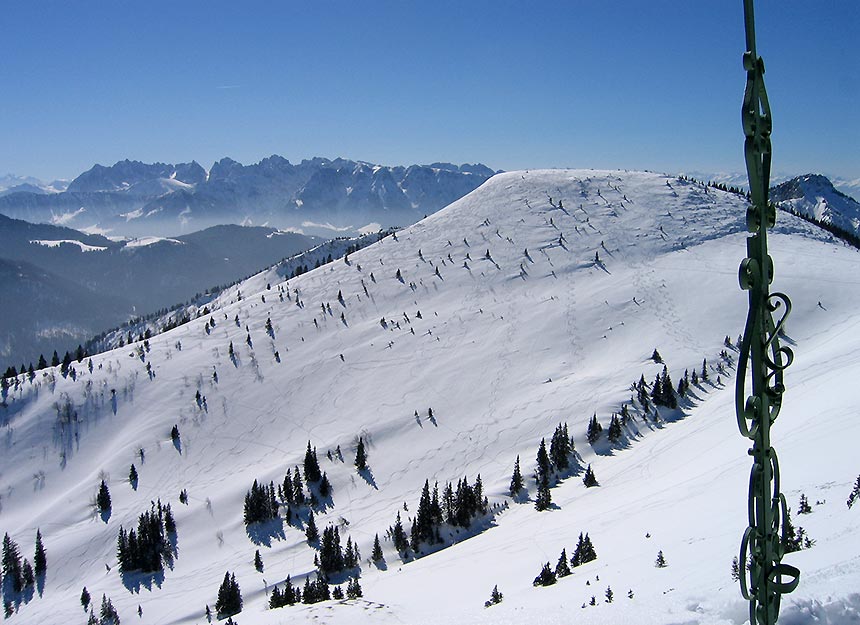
[761, 548]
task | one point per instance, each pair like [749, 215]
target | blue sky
[614, 83]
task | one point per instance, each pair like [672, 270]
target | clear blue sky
[611, 83]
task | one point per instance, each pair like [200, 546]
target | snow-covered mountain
[535, 300]
[316, 196]
[814, 196]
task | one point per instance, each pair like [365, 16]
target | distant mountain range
[316, 196]
[61, 287]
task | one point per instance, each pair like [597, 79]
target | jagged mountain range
[315, 196]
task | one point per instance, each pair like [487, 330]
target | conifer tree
[12, 563]
[561, 568]
[376, 555]
[543, 464]
[108, 614]
[516, 479]
[546, 577]
[543, 499]
[103, 500]
[609, 594]
[589, 479]
[258, 561]
[615, 431]
[132, 476]
[85, 598]
[660, 562]
[803, 507]
[560, 448]
[360, 456]
[229, 597]
[704, 369]
[40, 561]
[398, 535]
[495, 597]
[312, 465]
[353, 589]
[311, 532]
[594, 430]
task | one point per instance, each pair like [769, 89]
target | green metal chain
[761, 548]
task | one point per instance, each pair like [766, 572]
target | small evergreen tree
[258, 561]
[516, 479]
[660, 562]
[594, 430]
[12, 563]
[376, 555]
[311, 532]
[132, 476]
[337, 593]
[495, 597]
[543, 500]
[40, 561]
[312, 465]
[108, 614]
[615, 431]
[589, 479]
[103, 500]
[353, 589]
[543, 464]
[655, 356]
[360, 456]
[229, 597]
[546, 577]
[562, 569]
[803, 507]
[609, 594]
[85, 598]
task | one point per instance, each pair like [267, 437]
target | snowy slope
[507, 346]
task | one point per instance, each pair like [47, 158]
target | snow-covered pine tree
[660, 562]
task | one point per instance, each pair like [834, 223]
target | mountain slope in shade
[815, 196]
[542, 296]
[130, 278]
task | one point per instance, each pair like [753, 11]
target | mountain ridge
[135, 198]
